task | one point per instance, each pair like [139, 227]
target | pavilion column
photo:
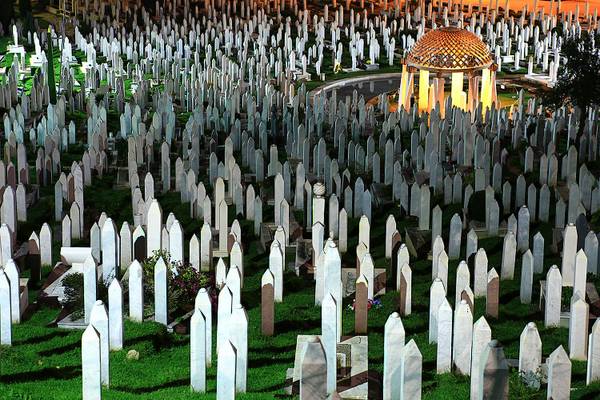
[439, 82]
[457, 90]
[423, 90]
[406, 87]
[494, 93]
[403, 84]
[432, 96]
[409, 87]
[486, 92]
[473, 97]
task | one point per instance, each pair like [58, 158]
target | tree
[578, 82]
[7, 14]
[51, 79]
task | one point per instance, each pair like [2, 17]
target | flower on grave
[375, 303]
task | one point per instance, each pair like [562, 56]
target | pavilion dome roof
[449, 49]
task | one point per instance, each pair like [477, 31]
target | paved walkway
[367, 85]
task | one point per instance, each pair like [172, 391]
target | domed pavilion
[449, 52]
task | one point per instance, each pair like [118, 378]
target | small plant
[186, 284]
[73, 294]
[184, 281]
[532, 379]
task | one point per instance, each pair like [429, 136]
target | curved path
[369, 86]
[373, 85]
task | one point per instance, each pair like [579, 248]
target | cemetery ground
[45, 359]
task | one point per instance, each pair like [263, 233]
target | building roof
[449, 49]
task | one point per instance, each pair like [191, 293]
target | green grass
[46, 360]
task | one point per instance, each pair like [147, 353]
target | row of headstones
[512, 31]
[13, 300]
[232, 287]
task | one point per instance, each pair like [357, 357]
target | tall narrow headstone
[136, 292]
[91, 365]
[444, 337]
[267, 306]
[115, 315]
[393, 342]
[198, 351]
[530, 349]
[411, 364]
[226, 368]
[160, 292]
[99, 320]
[482, 335]
[463, 335]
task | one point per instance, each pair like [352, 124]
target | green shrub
[182, 291]
[73, 294]
[183, 286]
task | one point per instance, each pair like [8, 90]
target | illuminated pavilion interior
[449, 52]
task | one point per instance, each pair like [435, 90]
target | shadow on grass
[62, 349]
[40, 339]
[63, 373]
[150, 389]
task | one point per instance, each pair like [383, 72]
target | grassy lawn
[44, 362]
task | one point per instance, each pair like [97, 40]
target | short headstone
[313, 379]
[411, 364]
[493, 294]
[530, 349]
[361, 305]
[493, 374]
[405, 290]
[559, 375]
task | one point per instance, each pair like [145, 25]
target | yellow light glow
[457, 92]
[486, 93]
[423, 90]
[403, 85]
